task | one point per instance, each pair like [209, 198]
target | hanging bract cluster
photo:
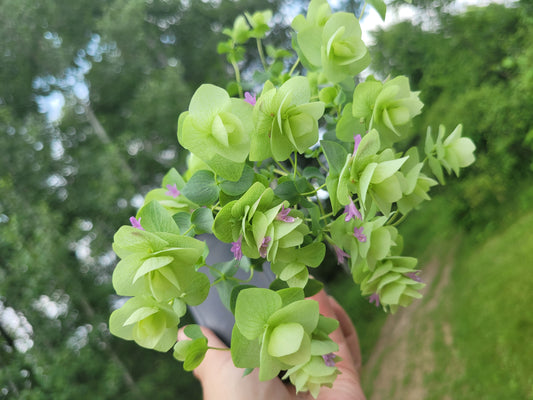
[283, 168]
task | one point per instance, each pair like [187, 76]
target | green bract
[149, 323]
[285, 121]
[258, 178]
[253, 220]
[217, 130]
[388, 107]
[282, 333]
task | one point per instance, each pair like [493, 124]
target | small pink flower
[359, 235]
[374, 298]
[414, 276]
[351, 212]
[236, 248]
[249, 98]
[172, 190]
[283, 215]
[341, 255]
[136, 223]
[357, 141]
[264, 246]
[329, 359]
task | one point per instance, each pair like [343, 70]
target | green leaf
[183, 220]
[173, 177]
[202, 188]
[253, 309]
[242, 185]
[203, 220]
[287, 191]
[155, 218]
[235, 294]
[225, 289]
[244, 352]
[312, 287]
[192, 352]
[380, 7]
[193, 331]
[335, 154]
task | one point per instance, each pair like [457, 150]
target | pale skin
[221, 380]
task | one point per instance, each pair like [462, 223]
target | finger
[349, 332]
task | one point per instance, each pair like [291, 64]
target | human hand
[221, 380]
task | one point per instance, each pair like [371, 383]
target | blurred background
[90, 92]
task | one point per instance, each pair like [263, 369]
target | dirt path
[403, 355]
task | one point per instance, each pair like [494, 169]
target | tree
[475, 68]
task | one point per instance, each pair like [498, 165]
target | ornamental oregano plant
[297, 162]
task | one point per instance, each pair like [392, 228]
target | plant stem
[261, 54]
[362, 11]
[294, 66]
[237, 76]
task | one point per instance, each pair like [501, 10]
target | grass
[482, 328]
[491, 296]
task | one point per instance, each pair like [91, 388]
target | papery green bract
[162, 266]
[380, 240]
[312, 375]
[389, 281]
[259, 22]
[343, 53]
[285, 121]
[371, 175]
[217, 129]
[308, 38]
[291, 264]
[330, 42]
[149, 323]
[282, 333]
[253, 218]
[388, 107]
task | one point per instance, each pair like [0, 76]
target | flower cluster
[304, 162]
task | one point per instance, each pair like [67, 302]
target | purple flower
[283, 215]
[236, 248]
[351, 212]
[264, 246]
[374, 298]
[359, 235]
[172, 190]
[249, 98]
[357, 140]
[340, 254]
[329, 359]
[414, 276]
[136, 223]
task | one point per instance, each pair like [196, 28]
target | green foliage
[489, 93]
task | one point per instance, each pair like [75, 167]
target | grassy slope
[488, 304]
[481, 331]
